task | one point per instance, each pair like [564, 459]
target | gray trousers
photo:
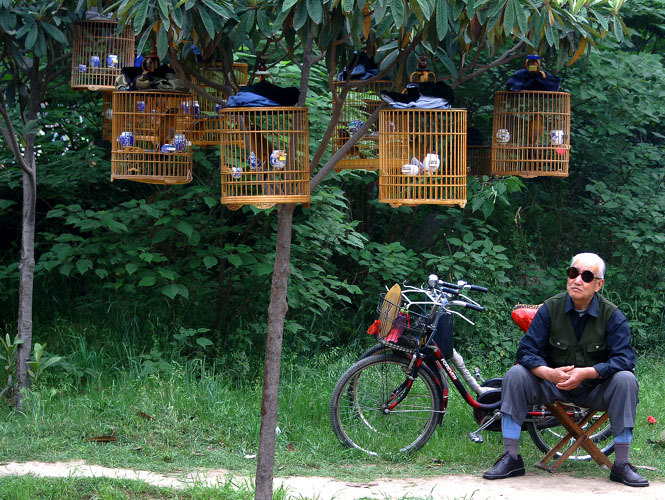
[618, 395]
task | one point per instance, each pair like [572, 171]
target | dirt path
[533, 485]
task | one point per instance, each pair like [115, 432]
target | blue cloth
[620, 355]
[509, 428]
[249, 99]
[625, 436]
[523, 79]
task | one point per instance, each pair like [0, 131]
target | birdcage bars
[107, 115]
[264, 156]
[479, 160]
[149, 141]
[422, 156]
[206, 128]
[360, 102]
[531, 133]
[99, 53]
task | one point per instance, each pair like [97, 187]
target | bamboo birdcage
[479, 160]
[264, 156]
[361, 101]
[531, 133]
[148, 137]
[206, 129]
[422, 156]
[99, 53]
[107, 115]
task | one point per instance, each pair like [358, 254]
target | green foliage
[38, 363]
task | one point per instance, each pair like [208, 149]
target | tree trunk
[276, 314]
[26, 274]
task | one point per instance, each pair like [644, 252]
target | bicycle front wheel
[546, 432]
[360, 413]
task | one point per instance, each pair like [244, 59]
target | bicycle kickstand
[475, 435]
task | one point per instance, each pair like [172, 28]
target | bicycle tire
[360, 421]
[546, 432]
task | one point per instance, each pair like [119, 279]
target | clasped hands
[569, 377]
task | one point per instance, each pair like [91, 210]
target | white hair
[596, 259]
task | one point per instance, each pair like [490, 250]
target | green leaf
[209, 261]
[207, 21]
[522, 16]
[288, 4]
[441, 19]
[509, 17]
[83, 265]
[347, 5]
[55, 33]
[185, 228]
[148, 280]
[618, 29]
[235, 260]
[31, 38]
[163, 9]
[220, 9]
[141, 9]
[131, 268]
[300, 16]
[162, 44]
[204, 342]
[170, 291]
[315, 9]
[398, 12]
[113, 225]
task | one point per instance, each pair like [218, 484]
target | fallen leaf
[289, 447]
[104, 439]
[647, 467]
[145, 415]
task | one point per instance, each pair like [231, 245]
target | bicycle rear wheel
[546, 432]
[359, 414]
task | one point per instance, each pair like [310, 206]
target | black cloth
[429, 89]
[523, 79]
[284, 96]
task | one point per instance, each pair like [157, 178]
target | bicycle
[395, 396]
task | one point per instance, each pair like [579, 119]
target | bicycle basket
[399, 328]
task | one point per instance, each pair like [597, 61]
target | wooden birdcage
[99, 53]
[107, 115]
[264, 156]
[479, 160]
[149, 142]
[531, 133]
[422, 156]
[360, 102]
[206, 128]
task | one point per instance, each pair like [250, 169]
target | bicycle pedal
[475, 437]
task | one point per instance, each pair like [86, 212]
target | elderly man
[577, 349]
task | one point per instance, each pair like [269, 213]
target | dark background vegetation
[166, 273]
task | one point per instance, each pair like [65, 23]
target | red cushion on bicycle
[522, 316]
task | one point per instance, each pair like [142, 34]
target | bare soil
[534, 485]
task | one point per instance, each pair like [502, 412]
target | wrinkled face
[580, 291]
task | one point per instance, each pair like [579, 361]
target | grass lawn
[186, 416]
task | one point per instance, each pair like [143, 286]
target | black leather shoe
[627, 474]
[506, 466]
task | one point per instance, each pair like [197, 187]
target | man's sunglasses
[587, 276]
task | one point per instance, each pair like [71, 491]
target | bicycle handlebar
[469, 305]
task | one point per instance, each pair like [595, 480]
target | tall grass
[172, 413]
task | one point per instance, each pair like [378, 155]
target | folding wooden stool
[576, 432]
